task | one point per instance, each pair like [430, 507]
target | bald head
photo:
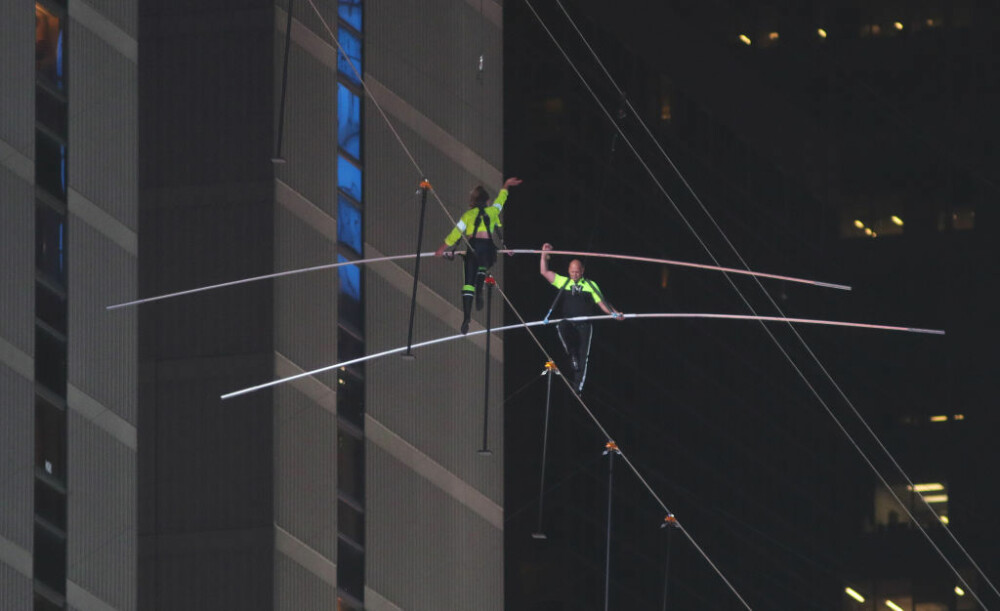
[575, 269]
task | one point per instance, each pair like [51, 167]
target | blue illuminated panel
[349, 177]
[349, 225]
[348, 121]
[352, 46]
[350, 12]
[350, 279]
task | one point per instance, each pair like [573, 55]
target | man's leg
[486, 255]
[585, 332]
[570, 341]
[468, 290]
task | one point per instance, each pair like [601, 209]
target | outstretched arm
[543, 264]
[610, 311]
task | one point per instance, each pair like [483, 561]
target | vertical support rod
[607, 561]
[489, 282]
[549, 370]
[666, 571]
[284, 84]
[424, 186]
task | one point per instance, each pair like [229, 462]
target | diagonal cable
[767, 294]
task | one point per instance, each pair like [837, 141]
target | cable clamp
[425, 184]
[489, 280]
[670, 520]
[551, 366]
[610, 447]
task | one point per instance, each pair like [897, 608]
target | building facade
[158, 146]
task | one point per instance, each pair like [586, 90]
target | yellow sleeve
[463, 222]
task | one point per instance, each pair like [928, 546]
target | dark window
[350, 398]
[50, 243]
[350, 569]
[50, 46]
[50, 361]
[352, 47]
[350, 465]
[44, 604]
[50, 439]
[50, 111]
[349, 224]
[50, 307]
[50, 504]
[349, 347]
[50, 558]
[351, 523]
[50, 164]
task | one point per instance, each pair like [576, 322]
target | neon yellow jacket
[465, 224]
[586, 286]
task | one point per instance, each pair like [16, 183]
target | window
[50, 46]
[350, 569]
[352, 47]
[50, 558]
[50, 504]
[349, 225]
[350, 279]
[50, 111]
[50, 243]
[349, 347]
[350, 12]
[350, 465]
[50, 164]
[50, 439]
[351, 397]
[50, 307]
[350, 522]
[349, 177]
[50, 361]
[349, 122]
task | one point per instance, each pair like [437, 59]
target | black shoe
[465, 327]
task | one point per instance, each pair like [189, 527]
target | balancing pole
[550, 369]
[424, 187]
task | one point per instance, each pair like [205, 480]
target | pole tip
[278, 160]
[538, 536]
[484, 452]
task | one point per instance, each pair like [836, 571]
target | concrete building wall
[434, 505]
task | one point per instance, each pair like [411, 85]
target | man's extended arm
[543, 265]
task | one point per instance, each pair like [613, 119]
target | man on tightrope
[478, 225]
[575, 298]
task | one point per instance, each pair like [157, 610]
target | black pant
[575, 338]
[481, 256]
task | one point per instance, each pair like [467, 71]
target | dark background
[786, 142]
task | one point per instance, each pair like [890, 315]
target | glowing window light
[930, 23]
[936, 498]
[868, 231]
[853, 594]
[897, 25]
[896, 220]
[959, 416]
[959, 591]
[939, 418]
[945, 520]
[744, 39]
[859, 224]
[821, 32]
[926, 487]
[772, 36]
[892, 605]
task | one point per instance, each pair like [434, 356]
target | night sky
[786, 142]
